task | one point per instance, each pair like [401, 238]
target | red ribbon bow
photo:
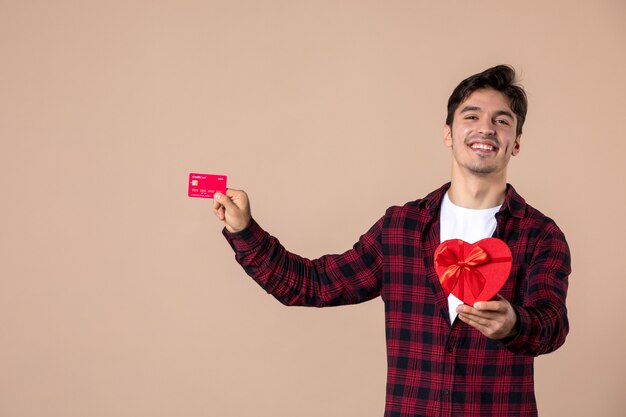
[462, 270]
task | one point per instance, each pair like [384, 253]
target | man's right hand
[233, 209]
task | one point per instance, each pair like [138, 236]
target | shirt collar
[513, 202]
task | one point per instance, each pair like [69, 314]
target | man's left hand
[496, 319]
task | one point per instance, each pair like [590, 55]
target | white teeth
[482, 146]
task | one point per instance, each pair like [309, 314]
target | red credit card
[206, 185]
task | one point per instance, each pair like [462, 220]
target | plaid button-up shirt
[434, 368]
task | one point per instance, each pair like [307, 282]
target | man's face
[483, 133]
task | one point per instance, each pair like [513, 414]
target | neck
[477, 192]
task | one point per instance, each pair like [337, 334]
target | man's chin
[482, 170]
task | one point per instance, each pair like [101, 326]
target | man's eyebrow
[478, 108]
[505, 113]
[470, 108]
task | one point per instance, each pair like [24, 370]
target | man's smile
[482, 146]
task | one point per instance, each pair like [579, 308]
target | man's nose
[487, 128]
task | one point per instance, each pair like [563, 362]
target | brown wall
[118, 295]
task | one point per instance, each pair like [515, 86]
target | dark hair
[500, 78]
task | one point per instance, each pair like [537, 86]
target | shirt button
[446, 392]
[450, 349]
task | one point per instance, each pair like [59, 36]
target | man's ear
[516, 145]
[447, 135]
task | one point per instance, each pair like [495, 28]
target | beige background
[118, 295]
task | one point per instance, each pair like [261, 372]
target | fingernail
[217, 196]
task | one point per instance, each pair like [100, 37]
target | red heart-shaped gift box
[473, 271]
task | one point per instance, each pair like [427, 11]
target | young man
[445, 358]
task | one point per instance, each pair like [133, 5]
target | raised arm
[348, 278]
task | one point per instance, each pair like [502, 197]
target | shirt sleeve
[349, 278]
[542, 320]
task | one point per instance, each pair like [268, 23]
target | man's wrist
[515, 329]
[243, 225]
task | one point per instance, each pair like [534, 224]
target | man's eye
[471, 117]
[503, 122]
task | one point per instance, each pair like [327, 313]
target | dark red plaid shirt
[434, 368]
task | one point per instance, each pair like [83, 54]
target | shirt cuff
[513, 343]
[247, 239]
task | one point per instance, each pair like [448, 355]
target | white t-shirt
[469, 225]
